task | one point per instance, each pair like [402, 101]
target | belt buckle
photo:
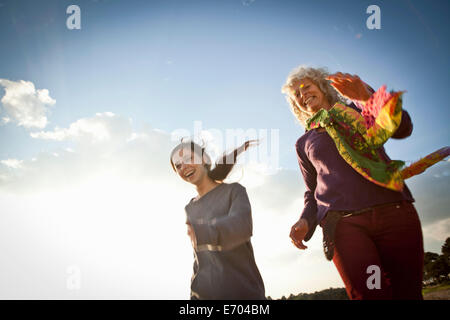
[347, 215]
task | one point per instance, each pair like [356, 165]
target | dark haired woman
[220, 226]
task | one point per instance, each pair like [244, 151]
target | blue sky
[169, 62]
[165, 64]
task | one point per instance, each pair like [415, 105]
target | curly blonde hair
[316, 75]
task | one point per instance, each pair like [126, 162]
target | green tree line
[436, 267]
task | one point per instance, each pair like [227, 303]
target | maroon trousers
[388, 240]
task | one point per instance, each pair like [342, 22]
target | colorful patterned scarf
[359, 136]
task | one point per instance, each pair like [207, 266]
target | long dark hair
[222, 167]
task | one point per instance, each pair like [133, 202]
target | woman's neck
[327, 106]
[205, 186]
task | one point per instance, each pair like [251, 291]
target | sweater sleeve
[405, 128]
[310, 178]
[229, 231]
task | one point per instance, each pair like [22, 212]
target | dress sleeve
[310, 178]
[229, 231]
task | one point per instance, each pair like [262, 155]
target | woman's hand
[298, 233]
[351, 87]
[191, 234]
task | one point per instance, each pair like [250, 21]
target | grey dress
[224, 266]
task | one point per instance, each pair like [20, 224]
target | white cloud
[430, 190]
[102, 127]
[25, 105]
[12, 163]
[247, 2]
[438, 231]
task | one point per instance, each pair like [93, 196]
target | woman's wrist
[305, 222]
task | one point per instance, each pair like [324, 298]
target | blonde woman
[353, 190]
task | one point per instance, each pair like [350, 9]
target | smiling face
[190, 166]
[308, 96]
